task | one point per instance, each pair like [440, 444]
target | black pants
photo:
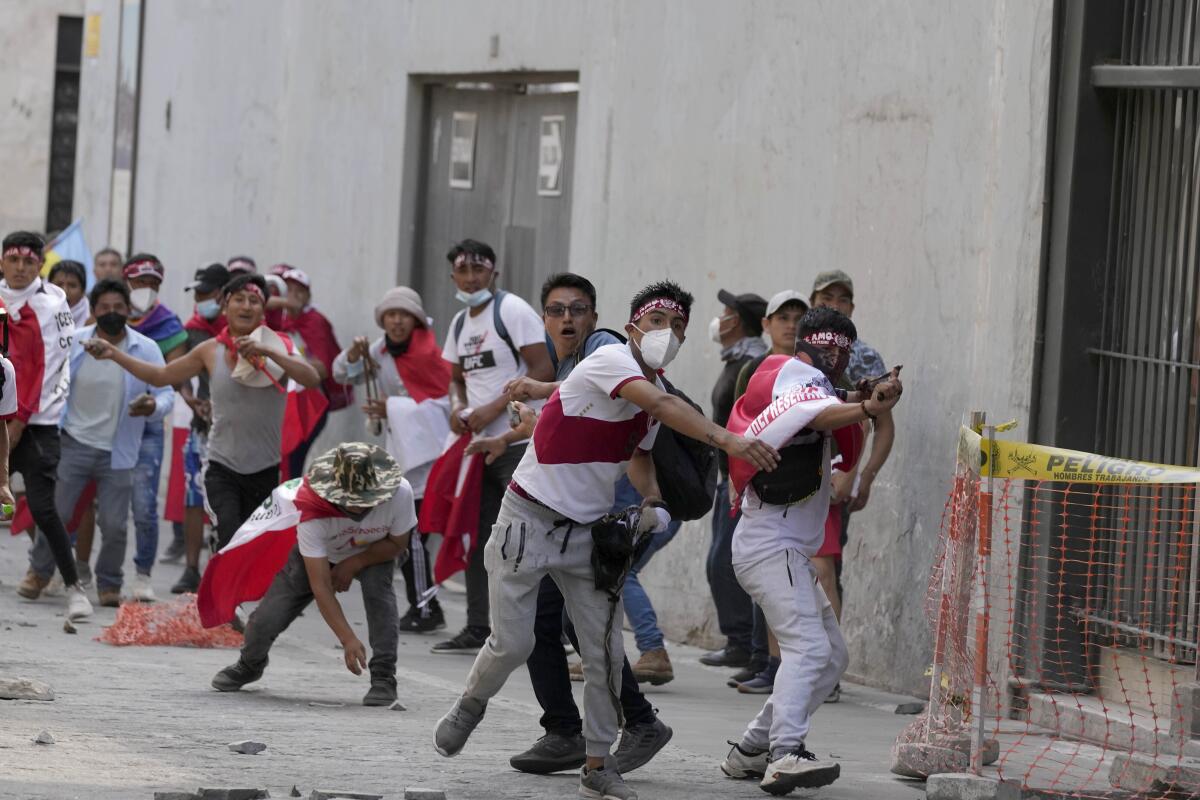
[548, 670]
[297, 457]
[232, 496]
[417, 571]
[735, 609]
[36, 458]
[495, 482]
[290, 593]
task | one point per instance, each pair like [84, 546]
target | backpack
[460, 319]
[686, 468]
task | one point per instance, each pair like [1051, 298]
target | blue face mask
[209, 309]
[474, 299]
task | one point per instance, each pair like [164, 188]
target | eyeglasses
[575, 309]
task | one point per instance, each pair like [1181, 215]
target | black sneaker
[553, 752]
[640, 743]
[189, 581]
[413, 622]
[745, 673]
[468, 641]
[381, 693]
[236, 676]
[175, 552]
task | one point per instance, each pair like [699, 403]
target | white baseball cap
[786, 296]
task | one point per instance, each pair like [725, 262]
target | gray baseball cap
[828, 278]
[779, 299]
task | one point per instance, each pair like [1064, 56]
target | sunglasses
[575, 309]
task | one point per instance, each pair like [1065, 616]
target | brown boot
[654, 667]
[575, 670]
[109, 598]
[31, 585]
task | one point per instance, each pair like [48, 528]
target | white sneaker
[798, 769]
[78, 606]
[56, 587]
[742, 763]
[143, 592]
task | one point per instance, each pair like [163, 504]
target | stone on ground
[24, 689]
[247, 747]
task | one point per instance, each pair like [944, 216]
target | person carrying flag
[245, 365]
[599, 423]
[349, 518]
[407, 363]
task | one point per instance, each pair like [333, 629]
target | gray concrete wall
[28, 38]
[739, 145]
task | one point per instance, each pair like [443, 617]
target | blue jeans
[77, 465]
[145, 497]
[638, 607]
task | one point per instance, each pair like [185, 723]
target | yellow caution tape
[1022, 461]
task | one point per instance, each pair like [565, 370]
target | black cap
[750, 307]
[209, 279]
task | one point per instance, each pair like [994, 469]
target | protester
[406, 362]
[738, 331]
[108, 265]
[851, 490]
[238, 265]
[143, 274]
[357, 515]
[244, 364]
[40, 328]
[596, 424]
[71, 277]
[106, 412]
[784, 311]
[319, 343]
[497, 338]
[781, 529]
[569, 311]
[207, 322]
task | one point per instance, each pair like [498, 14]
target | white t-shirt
[338, 538]
[586, 436]
[486, 360]
[801, 392]
[8, 394]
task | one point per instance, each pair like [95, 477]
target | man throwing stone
[600, 422]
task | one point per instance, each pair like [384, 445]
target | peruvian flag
[300, 416]
[181, 426]
[451, 507]
[245, 567]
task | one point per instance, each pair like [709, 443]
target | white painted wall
[28, 38]
[738, 145]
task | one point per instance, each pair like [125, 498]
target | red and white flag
[245, 567]
[300, 417]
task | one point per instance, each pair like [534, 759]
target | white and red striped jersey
[586, 436]
[40, 330]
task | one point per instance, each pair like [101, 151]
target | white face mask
[658, 348]
[474, 299]
[142, 300]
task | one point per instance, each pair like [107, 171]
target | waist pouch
[797, 478]
[612, 552]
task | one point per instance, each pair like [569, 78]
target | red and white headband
[23, 252]
[656, 303]
[144, 267]
[252, 288]
[829, 337]
[465, 259]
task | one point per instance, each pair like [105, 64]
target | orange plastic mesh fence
[1091, 628]
[175, 623]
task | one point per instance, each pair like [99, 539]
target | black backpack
[686, 468]
[460, 319]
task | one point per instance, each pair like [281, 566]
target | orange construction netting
[175, 623]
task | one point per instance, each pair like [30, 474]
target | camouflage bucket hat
[355, 474]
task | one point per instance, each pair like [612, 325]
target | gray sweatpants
[528, 542]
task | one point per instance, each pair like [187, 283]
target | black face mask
[111, 323]
[832, 363]
[395, 350]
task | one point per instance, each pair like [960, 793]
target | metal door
[488, 187]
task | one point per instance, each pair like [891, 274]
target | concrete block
[176, 796]
[1187, 723]
[234, 794]
[965, 786]
[247, 747]
[24, 689]
[424, 794]
[1142, 773]
[326, 794]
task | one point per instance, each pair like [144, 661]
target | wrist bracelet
[870, 416]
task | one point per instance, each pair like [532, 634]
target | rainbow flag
[70, 245]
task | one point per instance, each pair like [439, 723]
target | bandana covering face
[664, 303]
[23, 252]
[830, 360]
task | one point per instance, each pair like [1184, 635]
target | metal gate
[1148, 353]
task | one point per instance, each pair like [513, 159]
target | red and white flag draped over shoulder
[451, 507]
[243, 570]
[776, 406]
